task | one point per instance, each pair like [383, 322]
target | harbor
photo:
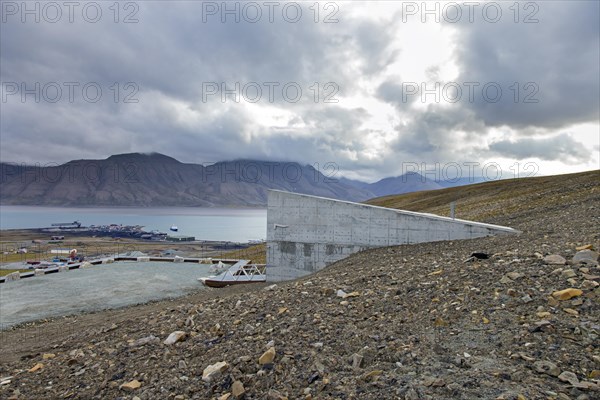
[85, 264]
[111, 230]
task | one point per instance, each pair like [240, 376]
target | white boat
[239, 273]
[174, 228]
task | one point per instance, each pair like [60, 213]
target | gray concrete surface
[306, 233]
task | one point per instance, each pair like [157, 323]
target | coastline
[37, 239]
[212, 224]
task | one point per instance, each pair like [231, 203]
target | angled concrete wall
[306, 233]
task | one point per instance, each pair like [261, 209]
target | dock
[109, 260]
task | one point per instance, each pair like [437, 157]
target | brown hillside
[498, 201]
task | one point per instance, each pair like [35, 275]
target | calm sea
[236, 225]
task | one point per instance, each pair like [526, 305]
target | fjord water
[223, 224]
[96, 288]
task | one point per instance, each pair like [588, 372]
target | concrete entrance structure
[306, 233]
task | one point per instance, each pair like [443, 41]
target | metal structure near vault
[306, 233]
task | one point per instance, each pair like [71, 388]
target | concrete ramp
[306, 233]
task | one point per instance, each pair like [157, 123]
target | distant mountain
[355, 183]
[409, 182]
[157, 180]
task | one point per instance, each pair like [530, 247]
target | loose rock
[238, 390]
[175, 337]
[515, 275]
[145, 340]
[568, 273]
[567, 294]
[214, 370]
[357, 360]
[131, 386]
[555, 259]
[586, 256]
[267, 357]
[36, 367]
[570, 377]
[546, 367]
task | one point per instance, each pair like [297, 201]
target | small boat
[174, 228]
[239, 273]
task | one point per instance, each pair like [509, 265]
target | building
[306, 233]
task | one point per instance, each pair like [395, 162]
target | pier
[110, 260]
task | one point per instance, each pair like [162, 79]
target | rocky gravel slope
[409, 322]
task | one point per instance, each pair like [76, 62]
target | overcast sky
[375, 88]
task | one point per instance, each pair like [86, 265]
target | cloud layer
[368, 81]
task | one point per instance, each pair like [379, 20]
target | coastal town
[74, 243]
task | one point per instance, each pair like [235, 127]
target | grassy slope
[4, 272]
[257, 254]
[491, 201]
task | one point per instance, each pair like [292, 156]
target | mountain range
[152, 180]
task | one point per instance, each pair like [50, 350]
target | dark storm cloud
[434, 132]
[171, 54]
[171, 50]
[556, 148]
[559, 55]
